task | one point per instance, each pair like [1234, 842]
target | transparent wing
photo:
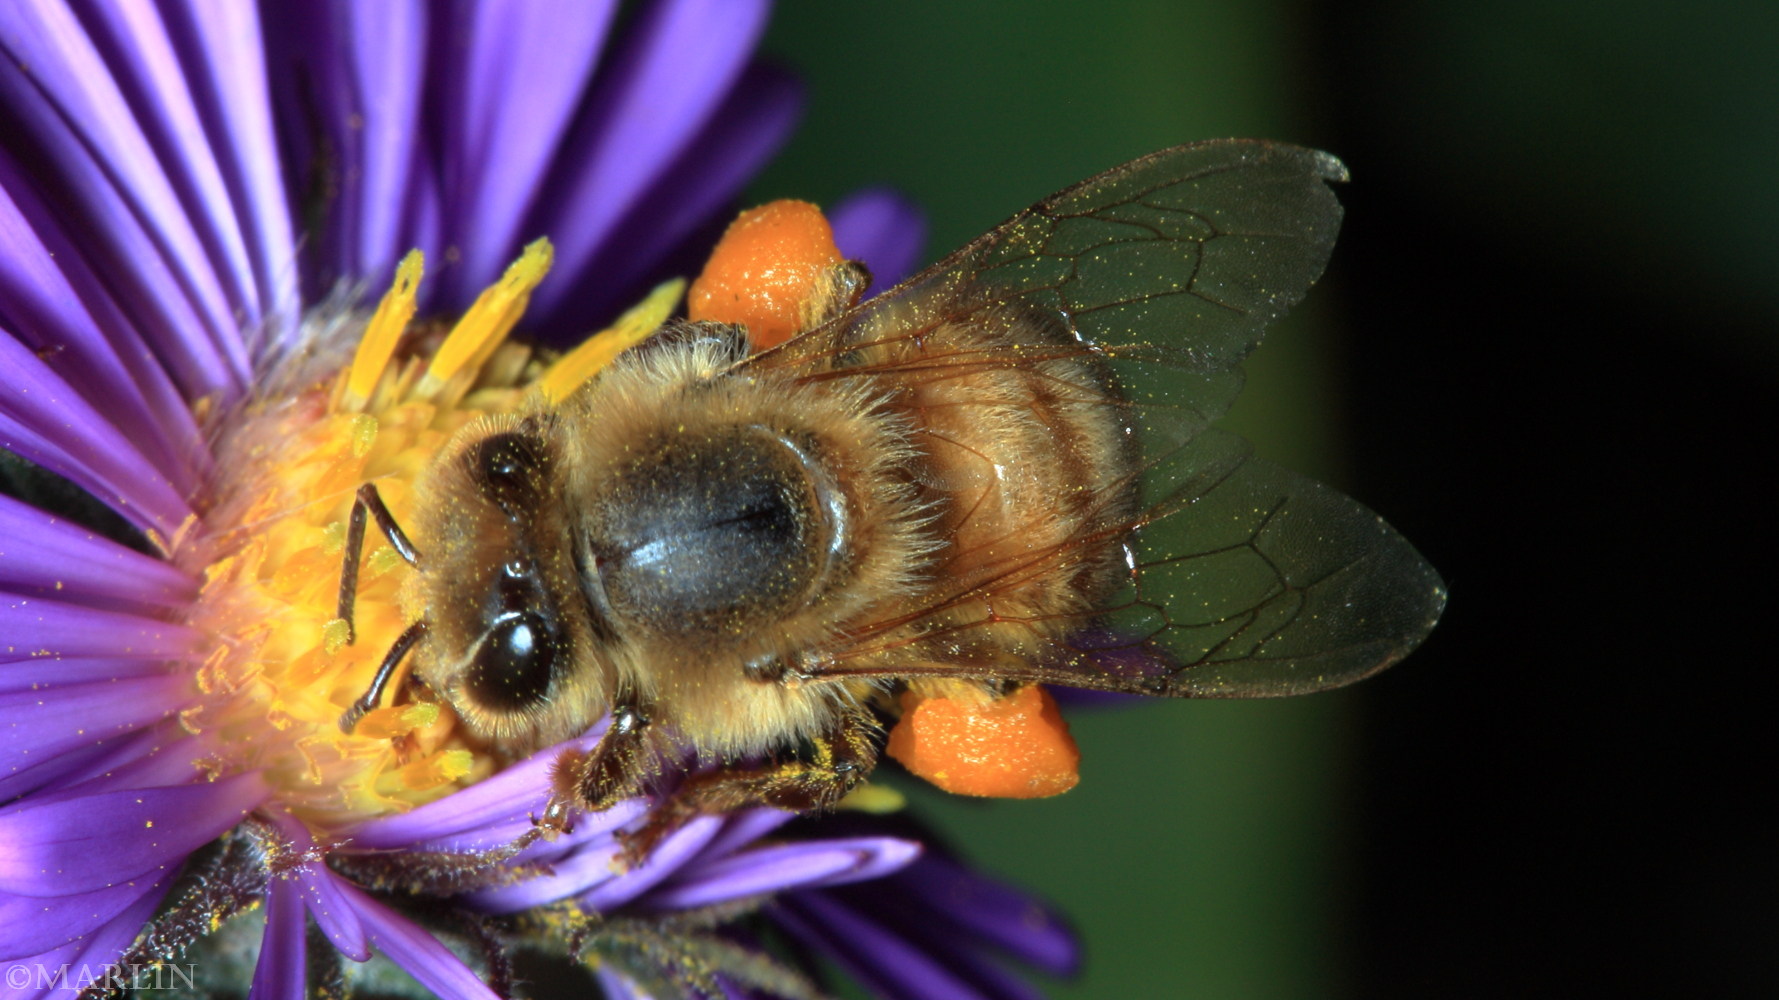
[1242, 579]
[1254, 581]
[1176, 261]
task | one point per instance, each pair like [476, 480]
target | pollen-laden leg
[622, 765]
[835, 763]
[814, 781]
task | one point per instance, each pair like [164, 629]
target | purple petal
[107, 256]
[102, 360]
[588, 828]
[132, 43]
[678, 62]
[69, 105]
[507, 798]
[876, 857]
[153, 758]
[53, 720]
[94, 952]
[328, 897]
[220, 42]
[42, 554]
[385, 56]
[571, 863]
[786, 867]
[88, 762]
[980, 906]
[43, 419]
[589, 872]
[663, 861]
[423, 219]
[884, 230]
[515, 72]
[34, 627]
[280, 973]
[31, 675]
[87, 842]
[592, 865]
[740, 830]
[352, 72]
[32, 924]
[418, 953]
[885, 962]
[691, 196]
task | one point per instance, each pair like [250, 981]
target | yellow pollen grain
[333, 537]
[382, 561]
[577, 366]
[383, 333]
[364, 434]
[334, 634]
[874, 799]
[429, 772]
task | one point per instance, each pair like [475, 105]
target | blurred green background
[1545, 351]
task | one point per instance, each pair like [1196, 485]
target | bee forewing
[1192, 250]
[1180, 258]
[1243, 579]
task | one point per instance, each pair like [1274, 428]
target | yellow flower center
[270, 544]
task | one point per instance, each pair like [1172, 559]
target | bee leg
[617, 768]
[837, 762]
[371, 502]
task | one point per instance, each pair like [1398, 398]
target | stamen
[577, 366]
[383, 333]
[487, 323]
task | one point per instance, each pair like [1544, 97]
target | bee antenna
[385, 671]
[371, 502]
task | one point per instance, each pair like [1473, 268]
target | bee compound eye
[515, 663]
[508, 469]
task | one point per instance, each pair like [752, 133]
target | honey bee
[1003, 471]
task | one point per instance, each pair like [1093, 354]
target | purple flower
[195, 198]
[934, 929]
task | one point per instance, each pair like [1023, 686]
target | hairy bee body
[700, 538]
[1023, 458]
[1003, 471]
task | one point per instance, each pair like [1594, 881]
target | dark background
[1546, 350]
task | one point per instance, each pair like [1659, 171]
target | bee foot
[558, 818]
[639, 842]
